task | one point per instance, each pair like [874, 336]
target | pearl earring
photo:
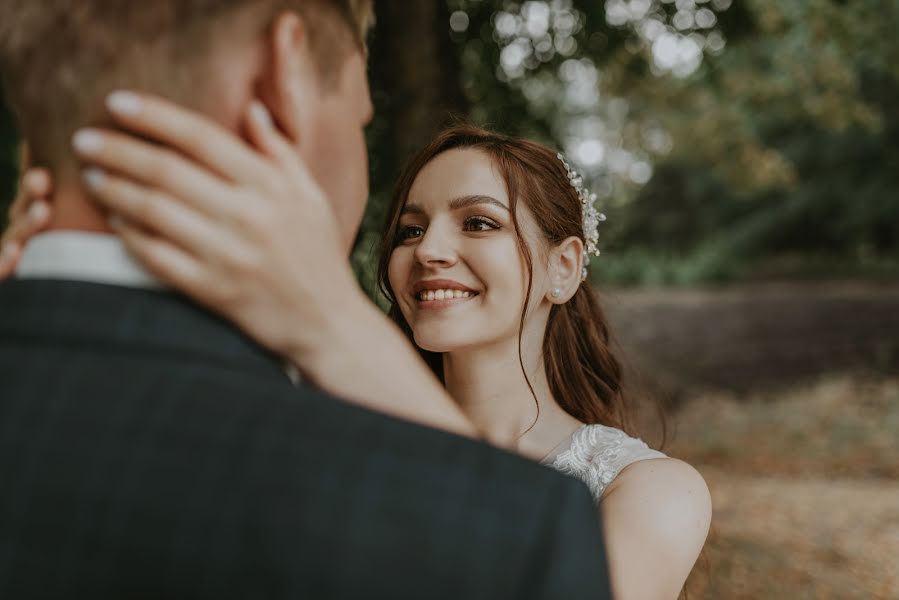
[556, 292]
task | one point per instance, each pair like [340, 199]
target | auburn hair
[583, 373]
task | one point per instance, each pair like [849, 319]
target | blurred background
[747, 156]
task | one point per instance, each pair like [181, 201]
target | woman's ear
[566, 262]
[290, 74]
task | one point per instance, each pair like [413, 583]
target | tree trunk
[415, 74]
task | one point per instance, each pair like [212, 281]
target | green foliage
[768, 146]
[786, 152]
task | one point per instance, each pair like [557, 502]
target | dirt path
[744, 337]
[847, 544]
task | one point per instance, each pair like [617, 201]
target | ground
[805, 489]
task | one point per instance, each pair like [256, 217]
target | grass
[841, 427]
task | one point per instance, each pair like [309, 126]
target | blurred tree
[416, 71]
[785, 149]
[725, 139]
[415, 84]
[8, 159]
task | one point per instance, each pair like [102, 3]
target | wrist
[330, 337]
[362, 357]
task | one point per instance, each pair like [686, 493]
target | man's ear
[290, 75]
[566, 263]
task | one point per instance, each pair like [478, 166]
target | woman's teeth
[443, 294]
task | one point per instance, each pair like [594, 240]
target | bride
[484, 262]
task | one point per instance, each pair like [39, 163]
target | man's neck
[74, 210]
[80, 245]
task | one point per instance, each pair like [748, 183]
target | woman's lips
[442, 298]
[441, 293]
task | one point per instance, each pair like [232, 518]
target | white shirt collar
[83, 256]
[91, 258]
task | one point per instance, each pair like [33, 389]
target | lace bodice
[596, 454]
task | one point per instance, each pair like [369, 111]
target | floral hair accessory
[591, 218]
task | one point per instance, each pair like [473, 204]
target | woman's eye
[408, 232]
[480, 224]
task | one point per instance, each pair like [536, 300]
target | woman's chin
[439, 341]
[437, 347]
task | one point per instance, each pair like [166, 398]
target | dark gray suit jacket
[149, 450]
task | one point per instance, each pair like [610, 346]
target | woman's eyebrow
[471, 200]
[412, 209]
[458, 203]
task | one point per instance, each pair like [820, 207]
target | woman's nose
[435, 249]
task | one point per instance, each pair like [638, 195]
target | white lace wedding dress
[595, 454]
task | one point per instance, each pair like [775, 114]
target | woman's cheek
[398, 273]
[503, 265]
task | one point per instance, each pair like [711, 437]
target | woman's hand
[243, 230]
[246, 231]
[30, 213]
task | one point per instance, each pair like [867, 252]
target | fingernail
[123, 103]
[115, 221]
[260, 113]
[34, 179]
[93, 177]
[87, 141]
[38, 212]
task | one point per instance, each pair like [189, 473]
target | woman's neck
[490, 387]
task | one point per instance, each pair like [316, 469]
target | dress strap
[596, 455]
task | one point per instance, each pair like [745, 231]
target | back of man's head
[60, 58]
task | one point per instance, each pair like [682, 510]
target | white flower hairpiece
[591, 217]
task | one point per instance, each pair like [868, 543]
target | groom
[148, 449]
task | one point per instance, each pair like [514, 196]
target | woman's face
[456, 270]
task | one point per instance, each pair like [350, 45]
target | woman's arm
[364, 357]
[656, 515]
[244, 229]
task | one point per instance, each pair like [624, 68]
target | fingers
[266, 137]
[156, 166]
[38, 181]
[9, 258]
[155, 211]
[36, 184]
[165, 260]
[29, 214]
[28, 222]
[190, 133]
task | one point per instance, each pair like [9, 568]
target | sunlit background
[747, 156]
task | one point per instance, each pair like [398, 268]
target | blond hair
[59, 58]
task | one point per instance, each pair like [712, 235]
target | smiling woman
[457, 210]
[455, 233]
[482, 260]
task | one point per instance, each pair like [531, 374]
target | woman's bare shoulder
[666, 494]
[656, 516]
